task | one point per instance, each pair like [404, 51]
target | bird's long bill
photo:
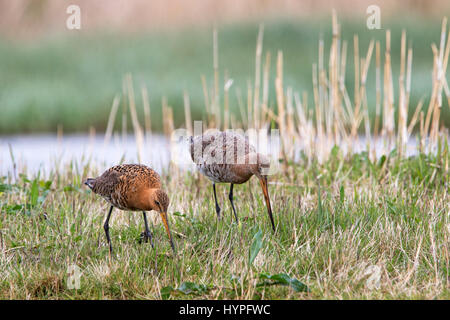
[166, 225]
[263, 182]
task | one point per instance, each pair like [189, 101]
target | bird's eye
[157, 202]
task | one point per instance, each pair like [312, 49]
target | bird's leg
[147, 235]
[106, 227]
[217, 204]
[230, 196]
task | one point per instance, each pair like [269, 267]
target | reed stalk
[134, 119]
[147, 114]
[111, 119]
[256, 92]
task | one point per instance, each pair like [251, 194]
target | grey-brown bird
[228, 157]
[132, 187]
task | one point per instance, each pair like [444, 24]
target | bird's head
[159, 200]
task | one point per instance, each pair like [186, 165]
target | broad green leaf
[4, 187]
[382, 160]
[284, 279]
[69, 188]
[255, 247]
[184, 288]
[191, 287]
[179, 214]
[34, 193]
[165, 292]
[342, 194]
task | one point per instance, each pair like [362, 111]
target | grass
[348, 228]
[71, 79]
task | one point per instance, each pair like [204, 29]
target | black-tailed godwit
[228, 157]
[132, 187]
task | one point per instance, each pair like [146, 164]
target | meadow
[349, 225]
[348, 228]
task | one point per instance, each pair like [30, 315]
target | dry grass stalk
[366, 63]
[111, 119]
[124, 111]
[226, 101]
[444, 68]
[134, 119]
[59, 134]
[402, 106]
[318, 114]
[388, 112]
[290, 123]
[305, 126]
[357, 117]
[187, 113]
[378, 89]
[239, 99]
[258, 54]
[422, 132]
[347, 113]
[280, 103]
[265, 93]
[167, 113]
[415, 117]
[147, 114]
[250, 122]
[433, 96]
[206, 97]
[357, 74]
[91, 137]
[216, 108]
[321, 86]
[334, 74]
[431, 127]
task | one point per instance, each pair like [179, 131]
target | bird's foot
[218, 213]
[146, 237]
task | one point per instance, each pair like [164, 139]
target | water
[47, 153]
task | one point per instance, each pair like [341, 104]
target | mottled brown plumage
[228, 157]
[132, 187]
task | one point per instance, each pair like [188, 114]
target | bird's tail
[90, 182]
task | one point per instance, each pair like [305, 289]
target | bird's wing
[236, 145]
[138, 175]
[124, 177]
[228, 142]
[107, 183]
[198, 145]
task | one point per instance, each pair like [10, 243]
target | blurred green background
[51, 76]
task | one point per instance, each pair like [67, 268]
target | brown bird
[228, 157]
[132, 187]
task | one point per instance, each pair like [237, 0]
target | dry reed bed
[336, 118]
